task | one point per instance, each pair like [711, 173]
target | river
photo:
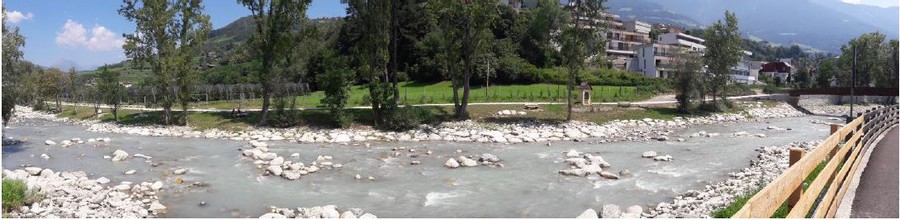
[527, 186]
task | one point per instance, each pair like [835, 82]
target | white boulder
[589, 213]
[451, 163]
[119, 155]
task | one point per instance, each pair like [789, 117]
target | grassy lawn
[429, 93]
[782, 211]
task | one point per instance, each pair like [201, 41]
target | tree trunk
[374, 97]
[184, 113]
[569, 87]
[393, 50]
[454, 80]
[467, 64]
[265, 106]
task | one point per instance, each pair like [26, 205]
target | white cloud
[104, 39]
[101, 39]
[15, 17]
[879, 3]
[73, 34]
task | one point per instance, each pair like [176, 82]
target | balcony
[664, 54]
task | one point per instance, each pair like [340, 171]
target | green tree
[272, 39]
[109, 89]
[537, 45]
[167, 34]
[71, 87]
[12, 42]
[723, 51]
[336, 82]
[687, 81]
[870, 60]
[372, 22]
[476, 18]
[580, 40]
[192, 33]
[825, 72]
[802, 80]
[53, 83]
[887, 77]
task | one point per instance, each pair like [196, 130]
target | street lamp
[852, 87]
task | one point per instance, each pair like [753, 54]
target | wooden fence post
[834, 128]
[795, 155]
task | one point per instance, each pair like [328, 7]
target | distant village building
[741, 73]
[629, 47]
[778, 70]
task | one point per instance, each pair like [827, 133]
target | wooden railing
[841, 152]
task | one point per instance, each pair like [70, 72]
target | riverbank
[513, 131]
[768, 165]
[74, 195]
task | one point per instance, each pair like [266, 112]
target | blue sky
[89, 32]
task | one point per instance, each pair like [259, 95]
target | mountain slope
[784, 22]
[650, 12]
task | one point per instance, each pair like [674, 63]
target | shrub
[16, 194]
[738, 90]
[341, 118]
[770, 89]
[405, 118]
[513, 69]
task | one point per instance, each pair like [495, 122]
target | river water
[528, 185]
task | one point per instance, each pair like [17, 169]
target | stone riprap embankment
[74, 195]
[768, 165]
[463, 131]
[328, 211]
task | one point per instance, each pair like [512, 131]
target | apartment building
[742, 72]
[655, 60]
[623, 38]
[687, 41]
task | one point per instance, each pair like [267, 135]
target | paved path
[877, 195]
[642, 103]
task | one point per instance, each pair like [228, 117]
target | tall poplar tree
[273, 39]
[580, 40]
[167, 33]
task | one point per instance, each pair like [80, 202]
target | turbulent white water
[527, 186]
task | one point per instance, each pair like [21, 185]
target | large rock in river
[611, 211]
[119, 155]
[451, 163]
[589, 213]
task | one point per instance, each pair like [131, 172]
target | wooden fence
[841, 152]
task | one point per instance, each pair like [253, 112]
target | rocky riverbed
[463, 131]
[74, 195]
[328, 211]
[413, 176]
[768, 165]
